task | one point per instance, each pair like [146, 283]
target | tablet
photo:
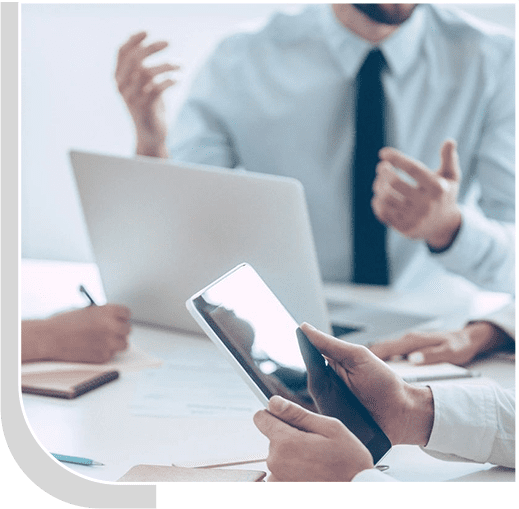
[251, 327]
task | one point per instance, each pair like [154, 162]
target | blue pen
[75, 459]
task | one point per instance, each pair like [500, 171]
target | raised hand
[143, 93]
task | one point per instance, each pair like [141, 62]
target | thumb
[297, 416]
[348, 355]
[450, 166]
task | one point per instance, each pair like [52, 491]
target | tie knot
[374, 63]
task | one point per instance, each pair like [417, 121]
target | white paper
[430, 372]
[194, 388]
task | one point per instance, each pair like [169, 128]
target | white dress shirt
[471, 423]
[280, 100]
[503, 318]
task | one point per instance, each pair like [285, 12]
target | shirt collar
[401, 49]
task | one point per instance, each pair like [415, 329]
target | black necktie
[369, 235]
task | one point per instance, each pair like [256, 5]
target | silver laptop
[161, 231]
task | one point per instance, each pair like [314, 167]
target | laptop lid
[160, 231]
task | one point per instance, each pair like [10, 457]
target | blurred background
[69, 98]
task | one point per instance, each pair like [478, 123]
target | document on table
[187, 387]
[431, 372]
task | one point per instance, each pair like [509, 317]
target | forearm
[473, 423]
[151, 150]
[36, 340]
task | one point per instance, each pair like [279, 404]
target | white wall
[69, 97]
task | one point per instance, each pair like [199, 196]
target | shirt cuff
[464, 421]
[488, 244]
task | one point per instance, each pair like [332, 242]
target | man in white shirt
[450, 421]
[281, 100]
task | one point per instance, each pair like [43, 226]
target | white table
[101, 424]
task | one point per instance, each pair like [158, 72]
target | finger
[409, 192]
[156, 91]
[119, 343]
[397, 216]
[131, 43]
[122, 329]
[404, 345]
[124, 59]
[159, 69]
[383, 189]
[388, 183]
[144, 76]
[449, 168]
[152, 48]
[396, 203]
[269, 425]
[122, 312]
[386, 214]
[130, 64]
[283, 417]
[431, 355]
[118, 311]
[347, 354]
[426, 179]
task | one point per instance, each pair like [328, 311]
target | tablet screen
[266, 341]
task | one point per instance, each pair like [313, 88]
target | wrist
[37, 340]
[420, 416]
[485, 336]
[442, 239]
[152, 150]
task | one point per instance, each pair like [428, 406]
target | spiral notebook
[66, 384]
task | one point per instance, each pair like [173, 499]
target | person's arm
[309, 447]
[488, 334]
[92, 334]
[306, 446]
[484, 249]
[202, 132]
[142, 93]
[483, 417]
[477, 244]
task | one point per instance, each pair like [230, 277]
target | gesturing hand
[427, 211]
[143, 94]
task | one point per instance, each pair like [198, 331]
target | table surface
[102, 425]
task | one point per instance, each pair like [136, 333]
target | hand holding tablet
[274, 357]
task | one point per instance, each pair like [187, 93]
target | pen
[83, 290]
[75, 459]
